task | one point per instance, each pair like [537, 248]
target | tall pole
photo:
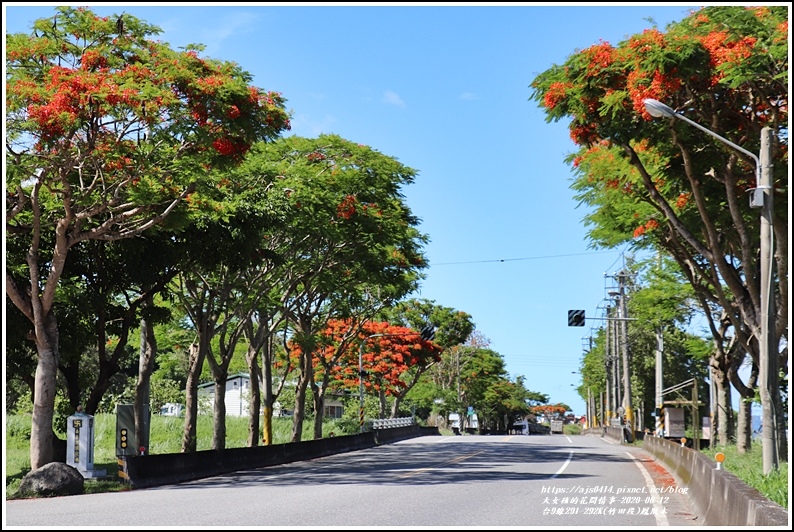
[617, 377]
[624, 349]
[609, 370]
[659, 384]
[695, 416]
[768, 352]
[712, 428]
[361, 386]
[603, 418]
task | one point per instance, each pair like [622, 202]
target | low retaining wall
[613, 434]
[159, 469]
[717, 495]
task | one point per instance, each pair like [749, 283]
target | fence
[378, 424]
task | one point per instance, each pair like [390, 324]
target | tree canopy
[664, 184]
[108, 133]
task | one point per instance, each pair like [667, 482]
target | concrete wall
[717, 495]
[159, 469]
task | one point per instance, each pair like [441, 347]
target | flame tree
[665, 185]
[388, 352]
[108, 131]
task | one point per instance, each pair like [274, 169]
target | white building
[171, 409]
[237, 394]
[238, 387]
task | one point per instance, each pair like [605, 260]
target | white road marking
[661, 517]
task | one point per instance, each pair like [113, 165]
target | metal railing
[392, 423]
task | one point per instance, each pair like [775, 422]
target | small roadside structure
[238, 392]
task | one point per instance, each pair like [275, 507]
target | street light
[762, 197]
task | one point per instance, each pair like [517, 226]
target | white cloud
[469, 96]
[231, 24]
[392, 98]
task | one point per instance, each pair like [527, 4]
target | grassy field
[749, 468]
[166, 437]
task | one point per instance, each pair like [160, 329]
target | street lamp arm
[765, 324]
[658, 109]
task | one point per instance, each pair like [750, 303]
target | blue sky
[445, 90]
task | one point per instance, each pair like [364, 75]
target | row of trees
[665, 186]
[151, 193]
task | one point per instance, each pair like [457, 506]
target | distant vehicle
[521, 427]
[556, 426]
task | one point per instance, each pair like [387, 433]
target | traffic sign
[576, 318]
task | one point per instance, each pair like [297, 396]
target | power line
[523, 258]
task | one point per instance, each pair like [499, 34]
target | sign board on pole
[674, 422]
[706, 428]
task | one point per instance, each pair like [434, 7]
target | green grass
[749, 469]
[165, 437]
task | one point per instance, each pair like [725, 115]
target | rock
[53, 480]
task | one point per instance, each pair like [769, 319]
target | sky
[444, 88]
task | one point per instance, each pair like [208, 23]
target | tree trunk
[195, 362]
[142, 406]
[219, 413]
[319, 410]
[726, 433]
[782, 427]
[261, 378]
[395, 406]
[254, 397]
[745, 427]
[268, 399]
[41, 435]
[383, 406]
[305, 375]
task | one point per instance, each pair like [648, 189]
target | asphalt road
[430, 481]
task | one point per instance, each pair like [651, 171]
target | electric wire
[522, 258]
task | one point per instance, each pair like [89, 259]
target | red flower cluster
[229, 147]
[682, 200]
[555, 94]
[599, 56]
[233, 112]
[649, 226]
[646, 42]
[584, 134]
[659, 87]
[723, 51]
[92, 60]
[347, 208]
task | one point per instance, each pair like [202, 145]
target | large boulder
[52, 480]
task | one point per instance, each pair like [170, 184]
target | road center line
[458, 459]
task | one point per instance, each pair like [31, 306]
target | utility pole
[626, 403]
[624, 348]
[609, 371]
[617, 399]
[768, 381]
[659, 383]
